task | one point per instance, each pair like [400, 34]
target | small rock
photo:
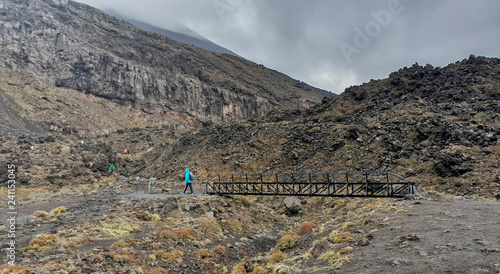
[409, 197]
[210, 214]
[293, 205]
[410, 172]
[363, 242]
[481, 242]
[397, 261]
[490, 250]
[410, 237]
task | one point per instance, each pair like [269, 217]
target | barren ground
[442, 235]
[432, 234]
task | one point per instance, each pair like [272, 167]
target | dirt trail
[443, 235]
[79, 208]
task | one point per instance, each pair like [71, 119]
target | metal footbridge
[334, 184]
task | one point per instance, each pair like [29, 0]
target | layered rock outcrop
[75, 46]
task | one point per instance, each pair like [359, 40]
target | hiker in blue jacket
[188, 178]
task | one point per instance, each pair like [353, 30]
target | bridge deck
[338, 184]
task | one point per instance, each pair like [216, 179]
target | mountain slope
[12, 122]
[76, 46]
[28, 105]
[439, 126]
[443, 136]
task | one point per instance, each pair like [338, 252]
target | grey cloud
[303, 38]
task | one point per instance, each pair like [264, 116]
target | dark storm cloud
[333, 44]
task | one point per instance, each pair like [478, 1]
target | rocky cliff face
[76, 46]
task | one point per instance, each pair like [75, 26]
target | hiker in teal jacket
[188, 178]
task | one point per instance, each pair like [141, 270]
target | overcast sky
[332, 44]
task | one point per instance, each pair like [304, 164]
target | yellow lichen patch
[346, 225]
[314, 129]
[204, 242]
[117, 229]
[169, 234]
[172, 257]
[259, 269]
[235, 225]
[220, 249]
[120, 244]
[339, 202]
[69, 244]
[186, 233]
[392, 208]
[40, 213]
[158, 271]
[41, 243]
[307, 255]
[345, 250]
[277, 257]
[154, 218]
[203, 253]
[340, 237]
[285, 243]
[123, 256]
[57, 211]
[211, 228]
[145, 216]
[14, 269]
[334, 258]
[243, 200]
[240, 268]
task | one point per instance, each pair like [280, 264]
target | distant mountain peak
[177, 31]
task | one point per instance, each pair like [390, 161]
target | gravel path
[447, 235]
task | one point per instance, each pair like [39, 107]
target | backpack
[191, 177]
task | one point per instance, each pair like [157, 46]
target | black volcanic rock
[446, 136]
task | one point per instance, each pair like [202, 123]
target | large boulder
[293, 205]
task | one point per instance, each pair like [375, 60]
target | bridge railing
[333, 184]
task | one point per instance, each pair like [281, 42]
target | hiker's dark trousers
[190, 185]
